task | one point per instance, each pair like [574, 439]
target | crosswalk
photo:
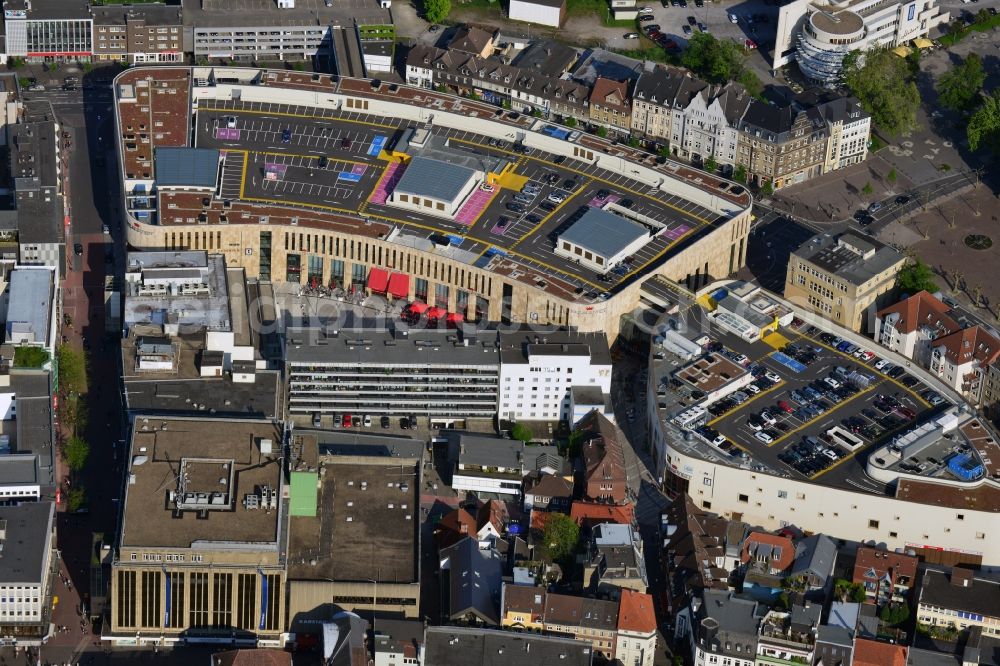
[231, 183]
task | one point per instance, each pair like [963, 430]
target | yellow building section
[706, 302]
[775, 339]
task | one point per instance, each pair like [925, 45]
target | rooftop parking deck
[328, 168]
[790, 421]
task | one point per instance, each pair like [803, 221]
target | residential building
[771, 554]
[471, 583]
[960, 599]
[781, 145]
[461, 646]
[36, 169]
[848, 129]
[543, 12]
[525, 89]
[474, 41]
[498, 466]
[398, 642]
[362, 493]
[887, 576]
[815, 559]
[27, 569]
[431, 374]
[589, 514]
[453, 527]
[539, 371]
[720, 626]
[869, 652]
[841, 277]
[962, 360]
[615, 561]
[788, 638]
[548, 492]
[603, 460]
[20, 477]
[277, 32]
[138, 33]
[611, 105]
[817, 34]
[696, 551]
[201, 547]
[834, 646]
[31, 308]
[636, 641]
[48, 30]
[592, 620]
[911, 326]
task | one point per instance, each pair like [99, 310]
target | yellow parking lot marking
[243, 176]
[806, 424]
[288, 114]
[886, 377]
[548, 217]
[740, 407]
[885, 436]
[332, 160]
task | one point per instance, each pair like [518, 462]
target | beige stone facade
[343, 258]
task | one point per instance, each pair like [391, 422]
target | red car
[785, 407]
[347, 420]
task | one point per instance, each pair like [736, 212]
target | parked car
[631, 35]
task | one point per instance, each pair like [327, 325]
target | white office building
[26, 535]
[818, 34]
[540, 372]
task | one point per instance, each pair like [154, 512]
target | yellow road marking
[926, 405]
[851, 454]
[740, 407]
[243, 176]
[548, 217]
[332, 160]
[836, 407]
[286, 114]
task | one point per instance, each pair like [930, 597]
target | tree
[29, 356]
[915, 277]
[633, 142]
[720, 61]
[72, 369]
[740, 174]
[767, 189]
[570, 122]
[76, 451]
[867, 189]
[891, 176]
[984, 125]
[76, 498]
[710, 164]
[436, 11]
[884, 85]
[959, 88]
[894, 614]
[521, 432]
[665, 151]
[602, 131]
[560, 536]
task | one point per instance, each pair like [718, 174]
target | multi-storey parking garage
[420, 197]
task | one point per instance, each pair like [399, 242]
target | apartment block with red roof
[876, 653]
[767, 554]
[603, 460]
[636, 641]
[911, 326]
[962, 360]
[887, 576]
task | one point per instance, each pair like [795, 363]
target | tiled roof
[453, 527]
[875, 653]
[605, 93]
[252, 658]
[779, 550]
[524, 599]
[921, 309]
[550, 485]
[882, 561]
[970, 344]
[592, 513]
[636, 613]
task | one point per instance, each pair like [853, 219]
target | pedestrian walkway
[387, 183]
[473, 206]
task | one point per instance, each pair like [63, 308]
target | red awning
[399, 285]
[455, 318]
[417, 308]
[436, 313]
[378, 279]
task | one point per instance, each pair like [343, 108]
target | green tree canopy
[959, 87]
[72, 369]
[29, 356]
[436, 11]
[915, 277]
[76, 499]
[521, 432]
[560, 536]
[719, 61]
[983, 129]
[895, 614]
[867, 190]
[710, 164]
[740, 174]
[76, 451]
[891, 176]
[884, 85]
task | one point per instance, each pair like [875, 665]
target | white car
[768, 418]
[733, 18]
[831, 382]
[486, 187]
[720, 440]
[752, 388]
[754, 425]
[883, 364]
[644, 10]
[764, 437]
[772, 376]
[231, 122]
[741, 359]
[829, 454]
[368, 421]
[556, 198]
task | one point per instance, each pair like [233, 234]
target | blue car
[286, 136]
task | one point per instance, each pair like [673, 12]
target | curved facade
[478, 276]
[825, 40]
